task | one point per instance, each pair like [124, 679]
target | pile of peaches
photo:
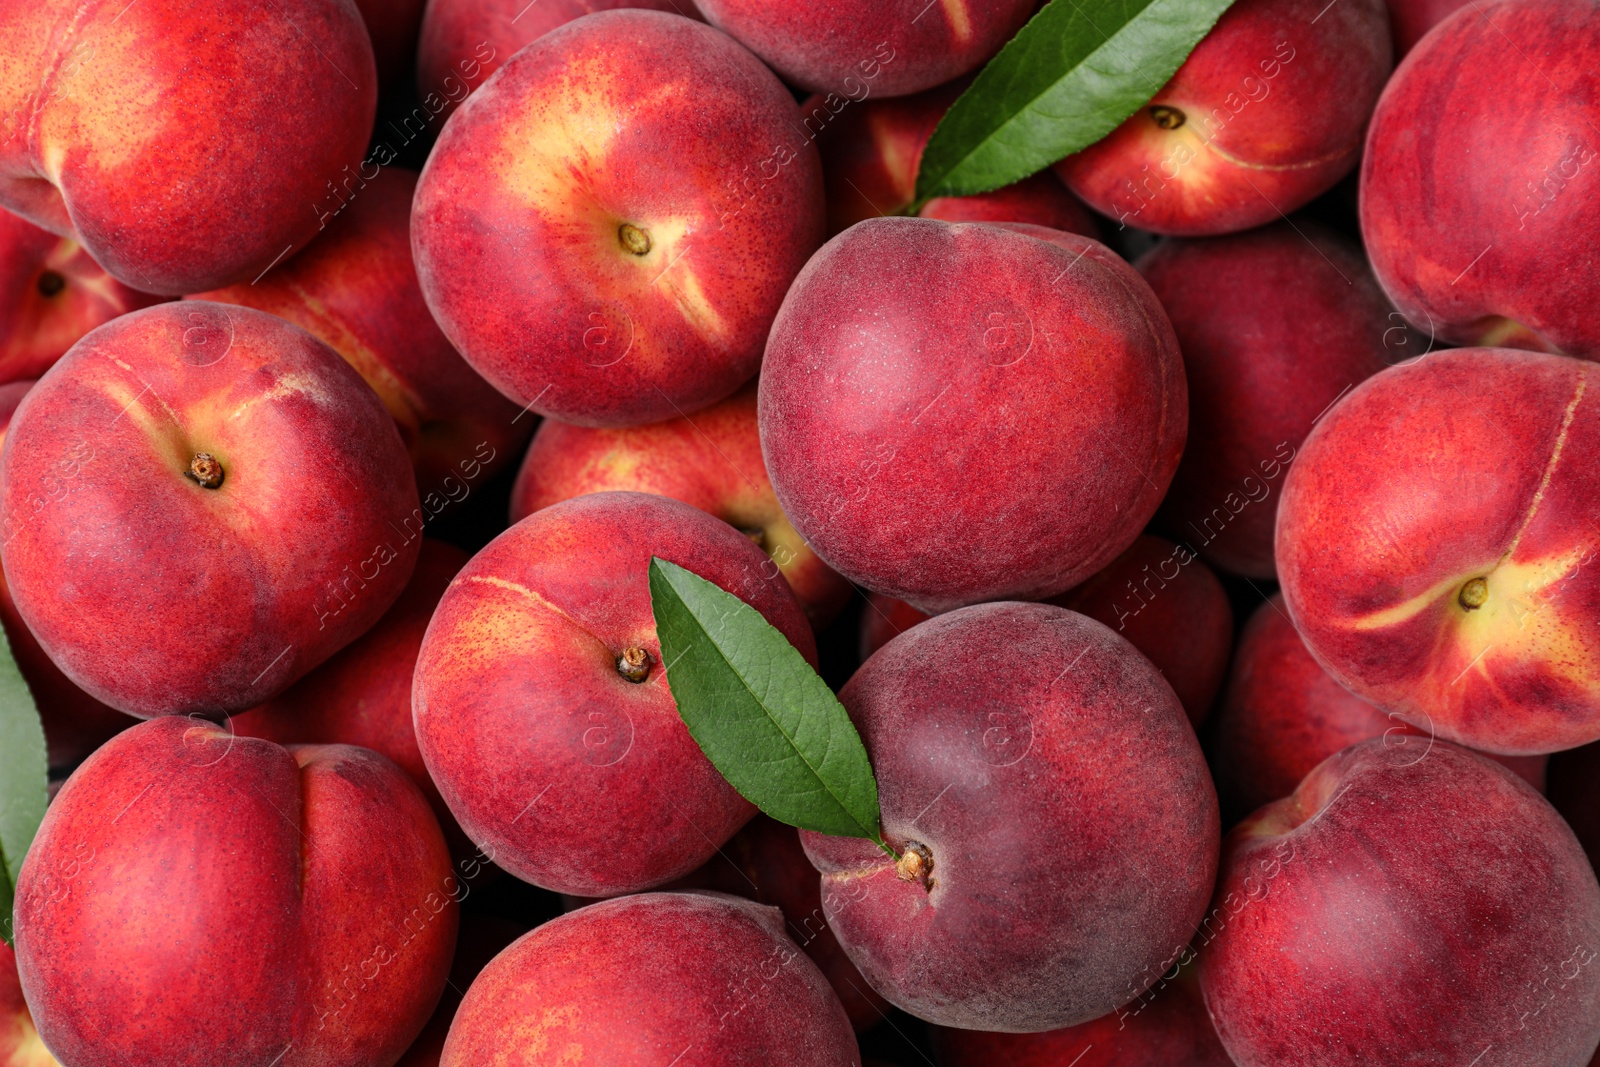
[361, 357]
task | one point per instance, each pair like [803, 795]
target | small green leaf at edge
[1068, 78]
[24, 780]
[762, 716]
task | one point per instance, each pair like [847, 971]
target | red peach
[542, 709]
[1266, 114]
[1057, 827]
[182, 868]
[1465, 252]
[662, 974]
[1460, 593]
[465, 41]
[885, 47]
[547, 210]
[958, 412]
[1282, 714]
[1171, 1030]
[356, 289]
[872, 150]
[202, 503]
[184, 144]
[1447, 877]
[19, 1041]
[54, 293]
[1156, 594]
[1260, 372]
[711, 459]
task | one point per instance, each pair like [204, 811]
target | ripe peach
[662, 974]
[546, 210]
[957, 412]
[711, 459]
[54, 295]
[884, 47]
[872, 150]
[465, 41]
[1156, 594]
[1282, 714]
[19, 1041]
[1260, 372]
[356, 289]
[1447, 877]
[205, 166]
[182, 868]
[542, 709]
[1465, 251]
[202, 503]
[1460, 595]
[995, 920]
[1266, 114]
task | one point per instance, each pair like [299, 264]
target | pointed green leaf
[1070, 77]
[758, 711]
[24, 779]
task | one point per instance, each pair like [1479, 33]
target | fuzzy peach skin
[20, 1045]
[54, 294]
[362, 696]
[1446, 877]
[1460, 595]
[1260, 372]
[182, 868]
[158, 594]
[1156, 594]
[957, 412]
[356, 289]
[1045, 777]
[185, 144]
[711, 459]
[1166, 1027]
[881, 47]
[75, 723]
[1266, 114]
[1466, 252]
[641, 219]
[567, 772]
[871, 151]
[465, 41]
[1282, 714]
[662, 975]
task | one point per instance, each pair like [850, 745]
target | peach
[482, 938]
[872, 150]
[1465, 251]
[1460, 595]
[1056, 825]
[958, 412]
[182, 868]
[885, 47]
[549, 209]
[19, 1041]
[356, 289]
[55, 294]
[362, 696]
[662, 974]
[1260, 372]
[711, 459]
[465, 41]
[202, 503]
[1282, 714]
[1266, 114]
[183, 143]
[1187, 631]
[542, 707]
[1447, 877]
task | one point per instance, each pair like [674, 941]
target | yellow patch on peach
[536, 1036]
[900, 153]
[955, 12]
[1521, 621]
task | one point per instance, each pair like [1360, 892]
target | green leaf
[24, 779]
[758, 711]
[1070, 77]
